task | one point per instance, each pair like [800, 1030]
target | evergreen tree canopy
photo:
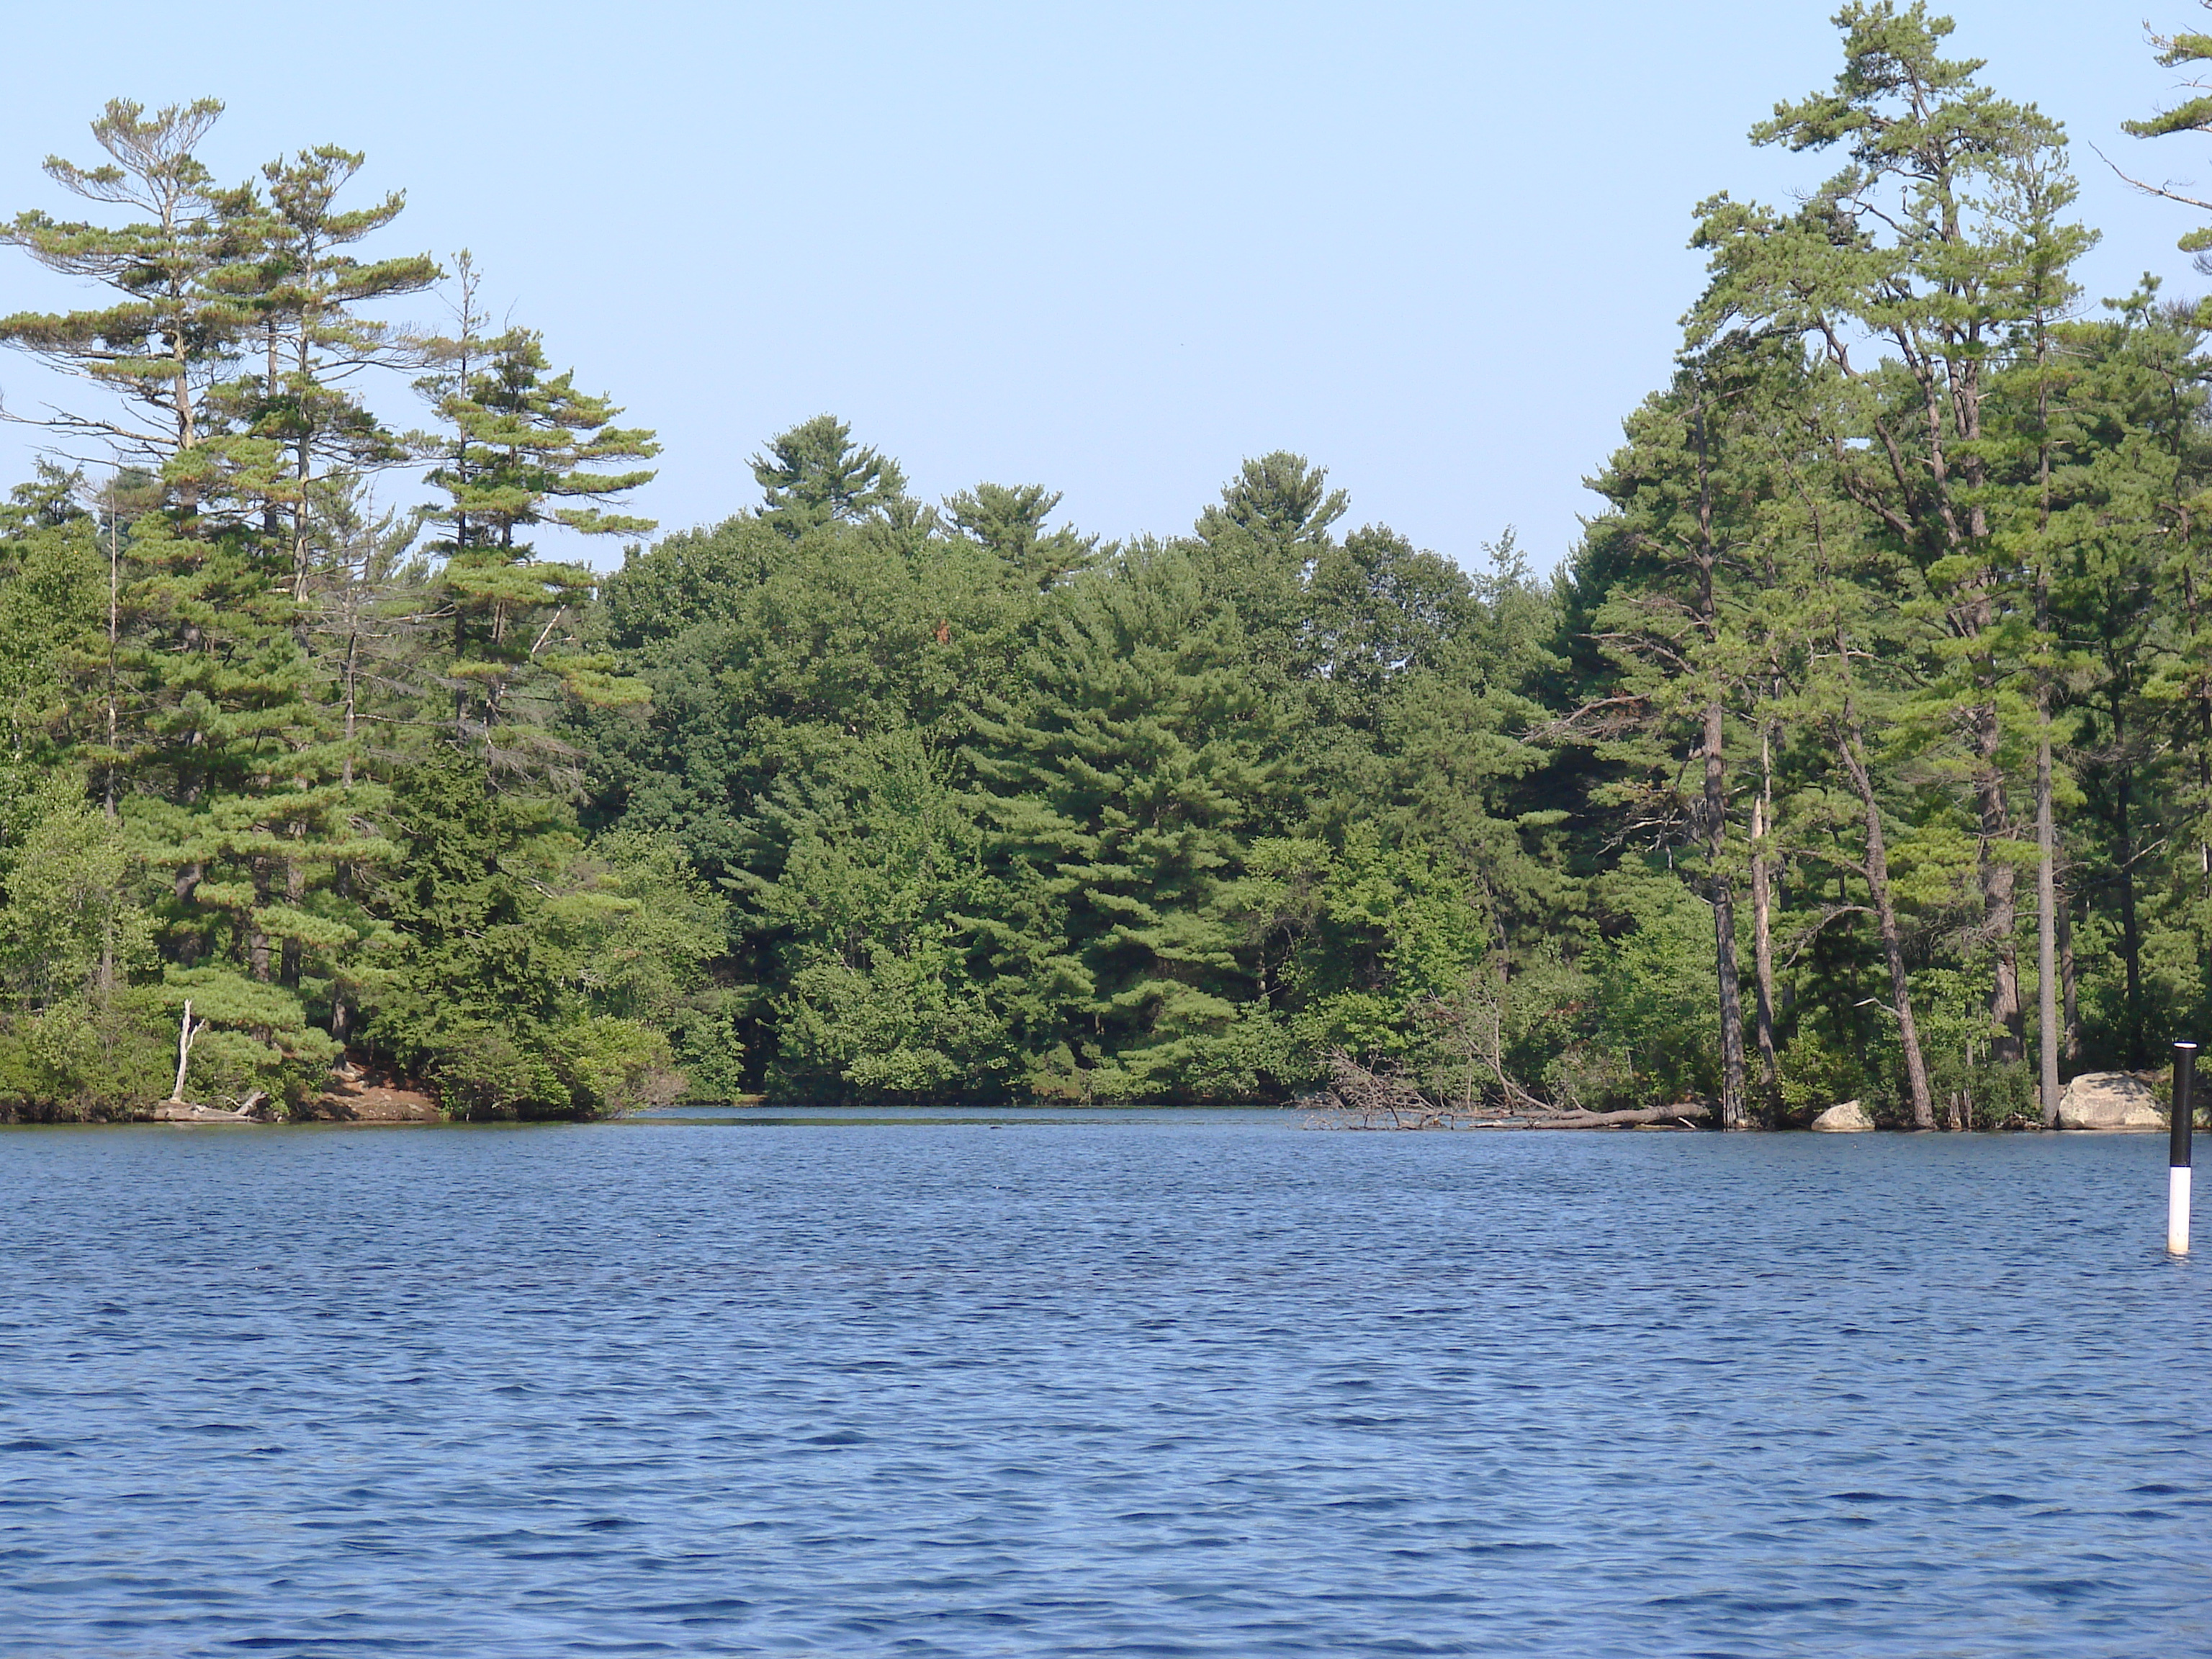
[1861, 748]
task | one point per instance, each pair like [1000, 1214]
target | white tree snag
[188, 1033]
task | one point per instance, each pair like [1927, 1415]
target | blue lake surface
[1063, 1383]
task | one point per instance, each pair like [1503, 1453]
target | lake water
[1050, 1383]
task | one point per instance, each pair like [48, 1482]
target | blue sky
[1108, 248]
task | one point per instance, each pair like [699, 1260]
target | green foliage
[852, 797]
[814, 475]
[1009, 524]
[163, 343]
[1653, 986]
[1373, 942]
[988, 807]
[882, 950]
[1127, 783]
[72, 937]
[534, 973]
[521, 448]
[52, 583]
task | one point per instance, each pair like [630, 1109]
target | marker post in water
[2177, 1171]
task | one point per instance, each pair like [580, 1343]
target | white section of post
[2180, 1120]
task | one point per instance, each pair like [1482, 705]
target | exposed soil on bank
[369, 1099]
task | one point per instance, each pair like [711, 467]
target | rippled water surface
[1130, 1383]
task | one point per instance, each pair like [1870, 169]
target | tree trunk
[460, 685]
[1853, 746]
[2070, 984]
[1762, 918]
[2201, 686]
[2205, 814]
[303, 467]
[1734, 1114]
[2130, 925]
[256, 942]
[1713, 808]
[291, 958]
[184, 884]
[107, 794]
[2000, 907]
[352, 695]
[342, 873]
[2046, 826]
[2046, 919]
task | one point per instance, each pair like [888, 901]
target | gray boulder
[2109, 1100]
[1849, 1119]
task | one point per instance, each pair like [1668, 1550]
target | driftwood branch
[1360, 1098]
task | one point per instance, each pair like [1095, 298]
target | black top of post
[2184, 1076]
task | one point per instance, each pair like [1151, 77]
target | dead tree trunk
[188, 1031]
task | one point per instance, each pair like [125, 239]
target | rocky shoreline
[2095, 1103]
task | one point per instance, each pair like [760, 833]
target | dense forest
[1861, 749]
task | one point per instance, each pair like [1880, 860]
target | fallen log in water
[183, 1111]
[1359, 1098]
[1682, 1111]
[1331, 1111]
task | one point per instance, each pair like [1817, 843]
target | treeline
[1863, 749]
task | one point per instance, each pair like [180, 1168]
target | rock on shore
[1848, 1118]
[2109, 1100]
